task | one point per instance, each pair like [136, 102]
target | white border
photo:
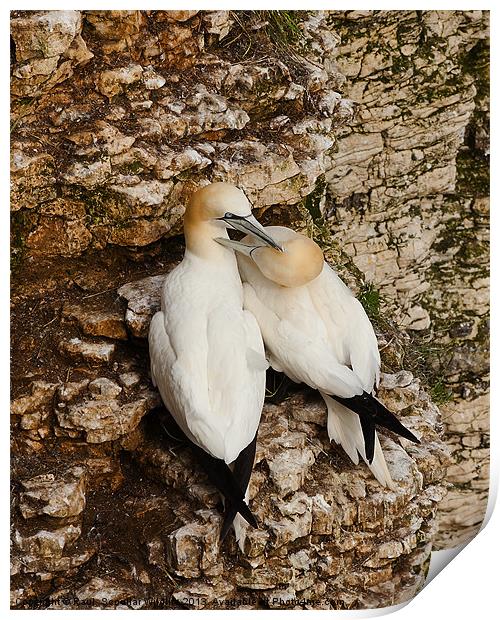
[468, 586]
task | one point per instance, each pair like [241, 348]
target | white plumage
[316, 333]
[206, 351]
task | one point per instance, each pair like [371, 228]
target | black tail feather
[217, 471]
[368, 428]
[242, 471]
[372, 412]
[385, 418]
[222, 477]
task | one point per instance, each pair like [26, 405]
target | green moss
[41, 44]
[310, 207]
[439, 392]
[428, 360]
[283, 26]
[96, 212]
[476, 62]
[99, 205]
[272, 34]
[473, 174]
[312, 202]
[22, 223]
[400, 63]
[135, 167]
[370, 299]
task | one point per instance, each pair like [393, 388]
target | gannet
[206, 351]
[317, 332]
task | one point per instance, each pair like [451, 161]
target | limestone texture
[407, 197]
[150, 106]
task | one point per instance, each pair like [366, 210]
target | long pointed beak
[237, 246]
[249, 224]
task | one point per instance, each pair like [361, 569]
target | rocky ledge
[103, 488]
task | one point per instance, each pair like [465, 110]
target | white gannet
[317, 332]
[206, 351]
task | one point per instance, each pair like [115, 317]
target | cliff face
[408, 199]
[118, 115]
[369, 130]
[110, 510]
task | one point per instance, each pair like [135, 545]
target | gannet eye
[232, 216]
[227, 216]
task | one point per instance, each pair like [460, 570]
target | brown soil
[126, 509]
[40, 288]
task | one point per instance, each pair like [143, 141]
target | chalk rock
[45, 33]
[103, 388]
[32, 178]
[193, 549]
[129, 379]
[92, 352]
[70, 390]
[34, 409]
[103, 419]
[218, 23]
[41, 396]
[88, 175]
[106, 323]
[48, 45]
[145, 197]
[58, 237]
[152, 80]
[297, 522]
[48, 543]
[48, 551]
[112, 81]
[115, 25]
[143, 300]
[181, 16]
[61, 495]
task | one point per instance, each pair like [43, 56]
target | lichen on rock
[401, 202]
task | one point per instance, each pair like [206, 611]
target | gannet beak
[248, 224]
[237, 246]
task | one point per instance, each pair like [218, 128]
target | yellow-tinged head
[300, 262]
[214, 208]
[214, 201]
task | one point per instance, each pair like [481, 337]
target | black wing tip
[412, 437]
[231, 513]
[226, 525]
[369, 434]
[371, 411]
[396, 426]
[246, 513]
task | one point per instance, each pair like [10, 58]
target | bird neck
[200, 240]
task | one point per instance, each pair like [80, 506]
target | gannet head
[299, 263]
[226, 205]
